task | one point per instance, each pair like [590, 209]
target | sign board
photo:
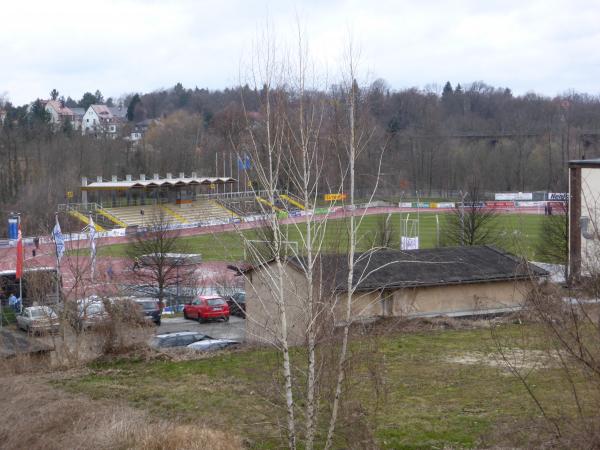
[405, 204]
[500, 204]
[445, 205]
[558, 196]
[334, 197]
[409, 243]
[512, 196]
[529, 204]
[69, 194]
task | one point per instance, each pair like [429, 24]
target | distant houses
[97, 120]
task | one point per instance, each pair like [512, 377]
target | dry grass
[37, 416]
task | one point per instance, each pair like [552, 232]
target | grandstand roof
[133, 184]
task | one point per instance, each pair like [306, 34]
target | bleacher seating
[201, 210]
[132, 215]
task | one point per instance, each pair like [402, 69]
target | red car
[207, 307]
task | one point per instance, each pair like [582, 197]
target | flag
[92, 237]
[19, 271]
[59, 241]
[244, 164]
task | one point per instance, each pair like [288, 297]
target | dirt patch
[516, 358]
[39, 416]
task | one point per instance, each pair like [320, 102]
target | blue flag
[58, 240]
[244, 164]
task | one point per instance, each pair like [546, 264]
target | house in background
[59, 113]
[77, 117]
[104, 120]
[450, 281]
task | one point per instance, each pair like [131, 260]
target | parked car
[91, 313]
[237, 304]
[151, 309]
[207, 307]
[177, 339]
[36, 319]
[209, 344]
[191, 339]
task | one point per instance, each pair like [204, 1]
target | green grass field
[424, 395]
[519, 234]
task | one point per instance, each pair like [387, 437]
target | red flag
[19, 272]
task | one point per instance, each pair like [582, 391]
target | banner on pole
[409, 243]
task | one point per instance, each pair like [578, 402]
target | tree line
[425, 142]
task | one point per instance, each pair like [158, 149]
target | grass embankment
[429, 397]
[518, 234]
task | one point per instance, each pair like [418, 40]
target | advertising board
[512, 196]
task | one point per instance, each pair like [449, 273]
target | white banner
[512, 196]
[445, 205]
[529, 204]
[409, 243]
[405, 205]
[558, 196]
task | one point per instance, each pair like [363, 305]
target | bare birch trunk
[350, 279]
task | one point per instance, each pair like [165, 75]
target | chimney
[156, 177]
[84, 181]
[127, 177]
[99, 179]
[143, 176]
[114, 178]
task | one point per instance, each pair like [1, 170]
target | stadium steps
[173, 213]
[291, 201]
[268, 204]
[110, 217]
[228, 211]
[85, 219]
[202, 210]
[131, 215]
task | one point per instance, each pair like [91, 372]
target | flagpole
[57, 267]
[23, 256]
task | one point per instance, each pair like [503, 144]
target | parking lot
[234, 329]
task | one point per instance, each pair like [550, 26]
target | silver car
[36, 319]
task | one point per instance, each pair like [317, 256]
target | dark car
[191, 340]
[177, 339]
[150, 309]
[237, 304]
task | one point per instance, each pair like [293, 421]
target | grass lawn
[424, 399]
[518, 234]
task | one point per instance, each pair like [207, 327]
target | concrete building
[451, 281]
[584, 213]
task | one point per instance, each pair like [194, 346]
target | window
[215, 302]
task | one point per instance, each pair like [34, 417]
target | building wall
[590, 209]
[262, 312]
[262, 323]
[440, 300]
[90, 120]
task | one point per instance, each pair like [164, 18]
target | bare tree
[470, 222]
[160, 263]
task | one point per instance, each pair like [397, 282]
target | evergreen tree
[99, 96]
[131, 107]
[53, 94]
[87, 100]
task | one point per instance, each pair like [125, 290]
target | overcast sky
[121, 46]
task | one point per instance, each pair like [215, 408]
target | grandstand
[182, 201]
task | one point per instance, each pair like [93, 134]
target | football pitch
[516, 233]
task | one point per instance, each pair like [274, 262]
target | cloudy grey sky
[120, 46]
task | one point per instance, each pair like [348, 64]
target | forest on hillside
[433, 142]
